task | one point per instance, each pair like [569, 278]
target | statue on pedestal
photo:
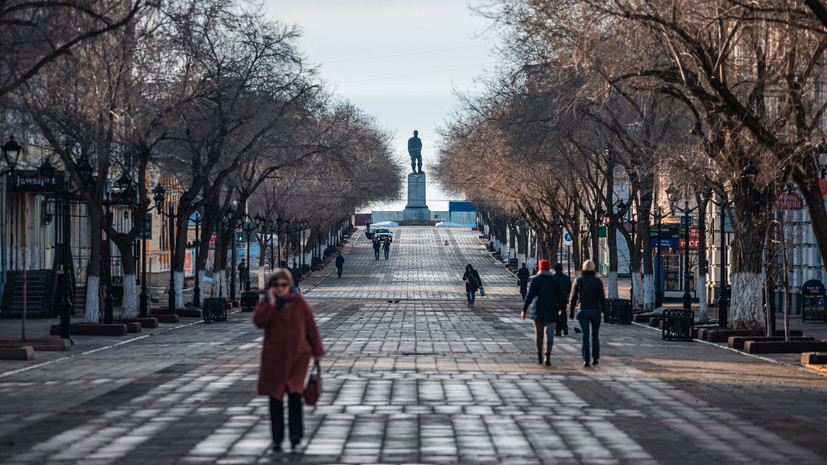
[415, 151]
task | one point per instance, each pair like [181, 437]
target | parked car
[382, 233]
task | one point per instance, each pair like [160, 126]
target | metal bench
[215, 309]
[249, 299]
[678, 324]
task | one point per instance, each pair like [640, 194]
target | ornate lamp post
[159, 197]
[560, 252]
[196, 291]
[659, 279]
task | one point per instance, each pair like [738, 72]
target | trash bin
[215, 309]
[678, 324]
[249, 300]
[619, 311]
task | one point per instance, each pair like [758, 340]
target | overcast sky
[398, 60]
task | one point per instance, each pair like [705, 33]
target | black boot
[548, 359]
[540, 358]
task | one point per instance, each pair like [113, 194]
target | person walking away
[522, 280]
[548, 300]
[588, 290]
[472, 284]
[291, 336]
[297, 275]
[564, 282]
[340, 261]
[387, 247]
[243, 269]
[377, 246]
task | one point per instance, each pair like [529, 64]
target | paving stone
[422, 380]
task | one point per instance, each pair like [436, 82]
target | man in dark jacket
[386, 246]
[549, 301]
[293, 271]
[377, 246]
[564, 282]
[340, 260]
[522, 280]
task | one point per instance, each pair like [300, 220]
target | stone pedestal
[416, 209]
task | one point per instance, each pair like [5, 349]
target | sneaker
[595, 361]
[586, 364]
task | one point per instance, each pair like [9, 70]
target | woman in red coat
[290, 337]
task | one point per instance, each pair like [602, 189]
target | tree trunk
[182, 226]
[93, 268]
[752, 209]
[648, 268]
[130, 293]
[700, 282]
[811, 193]
[611, 243]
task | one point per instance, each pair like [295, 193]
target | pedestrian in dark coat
[291, 336]
[588, 290]
[522, 280]
[377, 246]
[548, 301]
[387, 247]
[472, 284]
[564, 282]
[340, 261]
[297, 275]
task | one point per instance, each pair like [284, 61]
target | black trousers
[294, 415]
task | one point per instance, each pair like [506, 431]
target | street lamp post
[159, 197]
[659, 280]
[196, 292]
[687, 297]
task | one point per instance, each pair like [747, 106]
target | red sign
[212, 241]
[790, 201]
[188, 262]
[693, 239]
[822, 183]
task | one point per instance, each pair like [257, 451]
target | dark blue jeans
[470, 296]
[294, 415]
[590, 325]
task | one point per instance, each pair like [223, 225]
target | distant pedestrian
[377, 246]
[472, 284]
[243, 273]
[297, 275]
[340, 262]
[293, 272]
[548, 301]
[522, 280]
[564, 282]
[588, 290]
[386, 246]
[291, 336]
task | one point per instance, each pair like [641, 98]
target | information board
[812, 301]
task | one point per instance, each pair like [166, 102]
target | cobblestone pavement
[416, 381]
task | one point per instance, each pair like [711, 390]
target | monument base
[417, 210]
[416, 214]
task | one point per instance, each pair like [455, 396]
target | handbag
[482, 291]
[314, 387]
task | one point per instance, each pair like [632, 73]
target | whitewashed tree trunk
[179, 289]
[613, 294]
[199, 283]
[700, 290]
[637, 297]
[130, 296]
[746, 311]
[649, 291]
[261, 276]
[92, 304]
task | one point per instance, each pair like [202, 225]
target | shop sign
[812, 301]
[822, 184]
[212, 241]
[188, 262]
[790, 201]
[31, 181]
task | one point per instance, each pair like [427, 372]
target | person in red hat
[544, 291]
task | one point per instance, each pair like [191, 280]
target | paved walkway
[422, 380]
